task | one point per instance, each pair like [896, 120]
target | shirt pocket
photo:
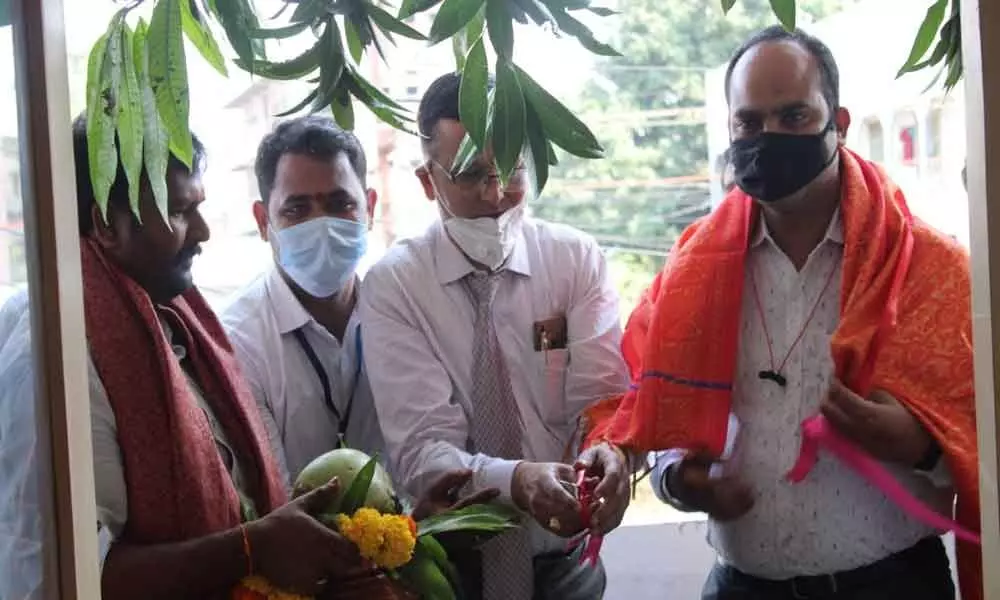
[551, 367]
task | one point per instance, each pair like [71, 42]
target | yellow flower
[398, 542]
[387, 540]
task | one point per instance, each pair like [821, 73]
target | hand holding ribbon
[880, 428]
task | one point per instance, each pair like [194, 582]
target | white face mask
[487, 240]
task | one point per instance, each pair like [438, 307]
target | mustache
[188, 253]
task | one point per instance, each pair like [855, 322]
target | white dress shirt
[833, 520]
[20, 507]
[20, 526]
[261, 323]
[417, 319]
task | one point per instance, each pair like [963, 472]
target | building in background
[913, 128]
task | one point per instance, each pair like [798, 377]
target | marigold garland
[387, 540]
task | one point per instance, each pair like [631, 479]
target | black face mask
[772, 166]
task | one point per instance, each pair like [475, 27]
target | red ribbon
[591, 541]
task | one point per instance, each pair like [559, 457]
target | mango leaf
[473, 92]
[240, 22]
[168, 76]
[535, 9]
[279, 33]
[155, 142]
[553, 159]
[295, 68]
[378, 103]
[452, 17]
[309, 11]
[955, 70]
[103, 81]
[371, 95]
[583, 35]
[462, 42]
[500, 28]
[562, 128]
[354, 497]
[465, 156]
[477, 518]
[601, 11]
[537, 150]
[508, 120]
[309, 99]
[785, 11]
[333, 65]
[925, 35]
[343, 112]
[727, 5]
[412, 7]
[354, 44]
[389, 23]
[130, 120]
[197, 30]
[940, 51]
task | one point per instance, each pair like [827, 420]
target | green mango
[424, 576]
[344, 464]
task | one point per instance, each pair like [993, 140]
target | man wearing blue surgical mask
[295, 329]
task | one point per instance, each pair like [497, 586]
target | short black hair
[118, 196]
[828, 71]
[317, 136]
[440, 102]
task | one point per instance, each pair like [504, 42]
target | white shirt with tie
[833, 520]
[417, 320]
[261, 322]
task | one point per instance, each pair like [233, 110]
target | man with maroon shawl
[189, 499]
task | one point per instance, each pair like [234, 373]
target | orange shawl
[912, 339]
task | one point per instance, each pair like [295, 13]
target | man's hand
[296, 552]
[880, 424]
[542, 490]
[443, 495]
[724, 498]
[611, 496]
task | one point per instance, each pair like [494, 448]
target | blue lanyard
[324, 379]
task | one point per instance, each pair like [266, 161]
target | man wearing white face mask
[295, 329]
[486, 338]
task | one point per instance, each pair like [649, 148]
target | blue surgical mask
[321, 254]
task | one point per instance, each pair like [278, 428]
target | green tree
[647, 109]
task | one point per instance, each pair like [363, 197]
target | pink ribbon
[591, 541]
[817, 432]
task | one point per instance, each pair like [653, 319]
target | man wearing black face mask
[810, 306]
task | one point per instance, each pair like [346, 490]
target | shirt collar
[289, 313]
[452, 265]
[834, 231]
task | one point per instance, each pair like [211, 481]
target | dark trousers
[918, 573]
[558, 576]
